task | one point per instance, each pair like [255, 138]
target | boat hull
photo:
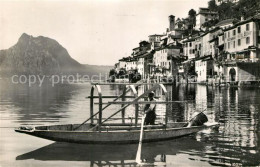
[114, 137]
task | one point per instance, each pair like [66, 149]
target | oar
[139, 150]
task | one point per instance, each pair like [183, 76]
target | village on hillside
[199, 49]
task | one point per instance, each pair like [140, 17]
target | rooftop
[254, 18]
[155, 35]
[225, 22]
[204, 12]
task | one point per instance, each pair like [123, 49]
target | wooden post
[92, 104]
[136, 107]
[136, 112]
[166, 113]
[164, 90]
[132, 87]
[123, 99]
[100, 104]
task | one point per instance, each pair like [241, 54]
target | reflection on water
[103, 155]
[236, 143]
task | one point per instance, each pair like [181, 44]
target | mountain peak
[24, 38]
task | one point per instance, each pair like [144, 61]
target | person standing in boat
[149, 110]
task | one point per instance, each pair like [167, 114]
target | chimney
[172, 22]
[242, 18]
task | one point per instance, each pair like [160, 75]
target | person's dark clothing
[150, 115]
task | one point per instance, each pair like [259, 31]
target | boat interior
[107, 127]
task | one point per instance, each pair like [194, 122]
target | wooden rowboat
[115, 133]
[112, 134]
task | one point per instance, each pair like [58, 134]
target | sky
[97, 32]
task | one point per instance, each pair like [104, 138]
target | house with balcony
[207, 51]
[242, 51]
[166, 62]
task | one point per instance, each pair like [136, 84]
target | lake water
[236, 143]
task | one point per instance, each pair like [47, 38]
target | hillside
[229, 10]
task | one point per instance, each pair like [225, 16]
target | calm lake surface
[236, 143]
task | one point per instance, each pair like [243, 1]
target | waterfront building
[204, 68]
[241, 40]
[209, 42]
[128, 63]
[164, 62]
[140, 66]
[203, 16]
[138, 53]
[131, 64]
[122, 63]
[242, 51]
[189, 48]
[148, 64]
[206, 53]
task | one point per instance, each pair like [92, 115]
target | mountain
[38, 55]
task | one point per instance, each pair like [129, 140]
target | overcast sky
[94, 31]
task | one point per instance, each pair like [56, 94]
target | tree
[210, 23]
[192, 19]
[226, 11]
[212, 5]
[192, 13]
[247, 8]
[112, 72]
[229, 10]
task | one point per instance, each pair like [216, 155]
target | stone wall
[248, 71]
